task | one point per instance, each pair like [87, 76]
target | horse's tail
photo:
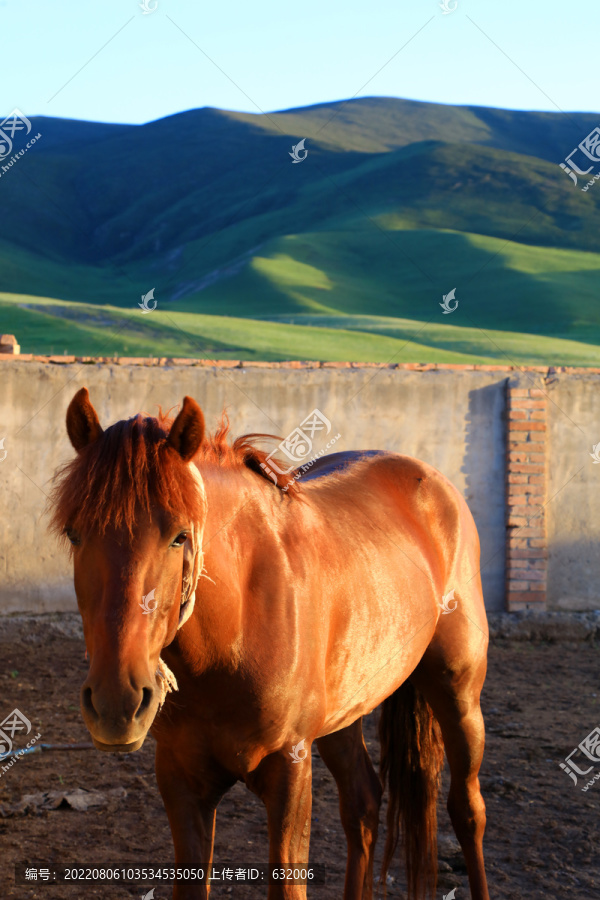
[412, 755]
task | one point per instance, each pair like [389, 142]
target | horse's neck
[243, 514]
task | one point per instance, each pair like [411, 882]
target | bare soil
[540, 700]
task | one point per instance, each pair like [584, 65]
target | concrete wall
[451, 419]
[573, 493]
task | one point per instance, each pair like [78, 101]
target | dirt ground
[539, 702]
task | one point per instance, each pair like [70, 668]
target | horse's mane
[132, 467]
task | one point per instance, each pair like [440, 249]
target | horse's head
[133, 506]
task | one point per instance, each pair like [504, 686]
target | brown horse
[318, 603]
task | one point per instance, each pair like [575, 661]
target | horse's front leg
[191, 805]
[285, 787]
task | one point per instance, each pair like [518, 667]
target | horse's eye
[72, 537]
[180, 539]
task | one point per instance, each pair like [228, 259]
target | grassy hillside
[59, 326]
[397, 203]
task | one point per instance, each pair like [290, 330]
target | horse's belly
[372, 660]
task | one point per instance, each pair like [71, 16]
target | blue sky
[107, 61]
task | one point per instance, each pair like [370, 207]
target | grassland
[346, 256]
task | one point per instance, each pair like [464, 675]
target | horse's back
[422, 498]
[338, 462]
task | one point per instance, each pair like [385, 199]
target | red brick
[530, 468]
[517, 490]
[517, 414]
[518, 601]
[530, 554]
[537, 479]
[527, 404]
[537, 457]
[531, 532]
[537, 489]
[515, 443]
[524, 510]
[516, 521]
[527, 426]
[518, 564]
[537, 414]
[535, 544]
[537, 437]
[517, 585]
[528, 574]
[538, 564]
[516, 544]
[538, 586]
[517, 479]
[517, 456]
[518, 501]
[535, 500]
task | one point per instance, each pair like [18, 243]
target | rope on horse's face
[193, 563]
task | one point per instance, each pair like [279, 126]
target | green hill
[396, 203]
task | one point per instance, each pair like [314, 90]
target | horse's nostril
[145, 702]
[87, 702]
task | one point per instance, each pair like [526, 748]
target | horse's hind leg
[345, 755]
[450, 677]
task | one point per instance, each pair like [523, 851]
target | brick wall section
[526, 548]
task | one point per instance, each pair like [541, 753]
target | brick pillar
[526, 550]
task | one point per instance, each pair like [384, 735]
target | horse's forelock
[131, 468]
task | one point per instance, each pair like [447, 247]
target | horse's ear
[83, 426]
[187, 431]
